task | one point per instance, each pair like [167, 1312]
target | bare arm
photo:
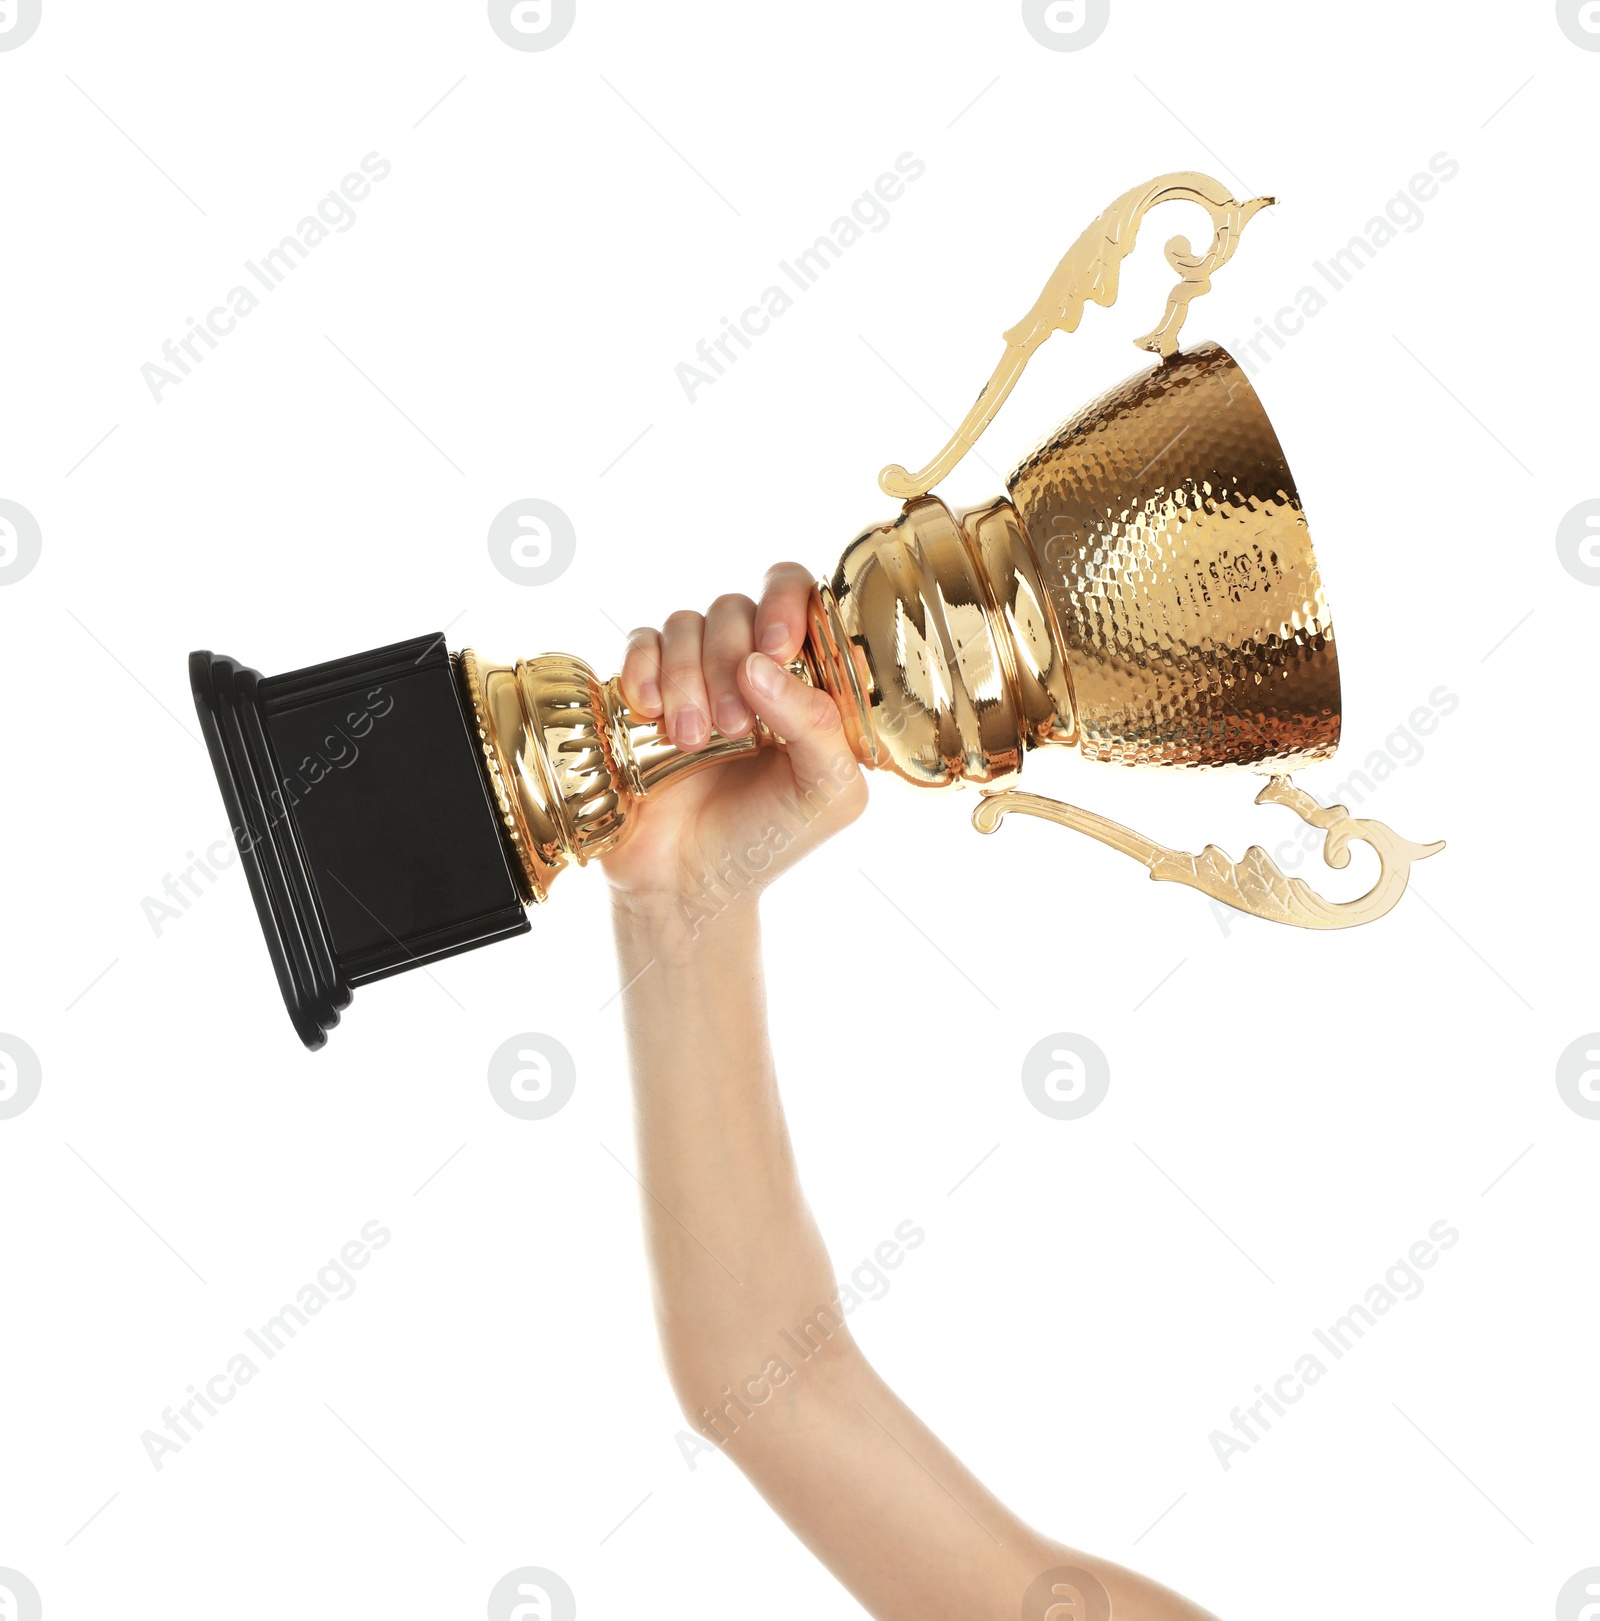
[746, 1300]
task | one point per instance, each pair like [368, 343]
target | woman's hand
[718, 838]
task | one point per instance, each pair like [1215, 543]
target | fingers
[807, 720]
[683, 687]
[692, 677]
[729, 636]
[641, 673]
[780, 626]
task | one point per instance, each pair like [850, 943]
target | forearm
[735, 1254]
[758, 1355]
[754, 1341]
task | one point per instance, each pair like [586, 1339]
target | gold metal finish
[955, 685]
[1091, 269]
[1148, 594]
[566, 759]
[1255, 884]
[1179, 562]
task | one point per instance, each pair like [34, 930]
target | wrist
[674, 926]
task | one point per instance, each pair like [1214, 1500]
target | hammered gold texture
[1179, 563]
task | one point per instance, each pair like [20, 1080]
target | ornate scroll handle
[1254, 885]
[1090, 270]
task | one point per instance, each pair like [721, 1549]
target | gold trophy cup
[1146, 592]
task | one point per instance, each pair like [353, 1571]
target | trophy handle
[1090, 270]
[1254, 885]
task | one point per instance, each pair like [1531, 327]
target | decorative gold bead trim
[471, 682]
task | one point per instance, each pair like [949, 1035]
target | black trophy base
[362, 817]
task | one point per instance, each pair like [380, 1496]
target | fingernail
[650, 694]
[774, 638]
[691, 727]
[765, 676]
[731, 716]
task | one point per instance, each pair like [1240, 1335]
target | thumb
[807, 720]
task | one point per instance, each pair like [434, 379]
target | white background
[1288, 1112]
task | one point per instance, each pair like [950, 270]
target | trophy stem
[566, 761]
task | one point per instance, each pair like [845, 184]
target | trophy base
[362, 818]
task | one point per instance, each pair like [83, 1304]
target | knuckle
[683, 622]
[682, 678]
[733, 601]
[783, 575]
